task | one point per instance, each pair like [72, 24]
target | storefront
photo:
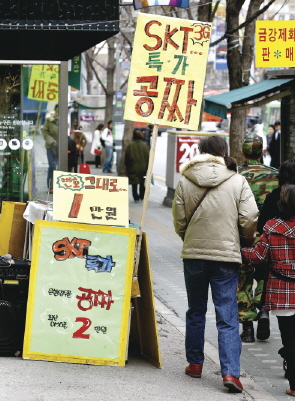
[33, 87]
[28, 94]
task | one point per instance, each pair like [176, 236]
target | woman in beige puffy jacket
[211, 251]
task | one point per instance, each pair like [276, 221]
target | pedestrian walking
[213, 206]
[81, 142]
[72, 155]
[147, 133]
[274, 147]
[107, 138]
[262, 180]
[96, 147]
[277, 245]
[136, 162]
[269, 136]
[50, 134]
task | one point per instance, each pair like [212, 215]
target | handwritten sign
[275, 43]
[167, 71]
[91, 199]
[80, 288]
[44, 82]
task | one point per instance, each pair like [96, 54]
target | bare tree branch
[98, 63]
[127, 40]
[227, 33]
[124, 83]
[95, 73]
[212, 16]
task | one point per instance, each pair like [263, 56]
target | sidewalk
[260, 359]
[26, 380]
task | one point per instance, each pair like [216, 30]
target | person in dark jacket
[50, 134]
[270, 209]
[277, 245]
[136, 162]
[72, 156]
[274, 147]
[147, 133]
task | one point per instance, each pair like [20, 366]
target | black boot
[247, 335]
[263, 331]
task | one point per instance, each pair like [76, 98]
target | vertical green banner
[75, 73]
[79, 299]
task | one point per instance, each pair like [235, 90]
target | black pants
[135, 195]
[97, 161]
[80, 156]
[287, 329]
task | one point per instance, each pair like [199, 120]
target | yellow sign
[275, 43]
[80, 287]
[91, 199]
[167, 71]
[44, 82]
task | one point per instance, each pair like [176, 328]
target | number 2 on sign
[189, 152]
[85, 326]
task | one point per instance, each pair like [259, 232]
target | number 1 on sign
[76, 205]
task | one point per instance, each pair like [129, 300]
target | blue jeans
[108, 160]
[51, 167]
[223, 279]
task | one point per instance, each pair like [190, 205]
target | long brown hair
[216, 146]
[99, 127]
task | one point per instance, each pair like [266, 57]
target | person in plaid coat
[277, 244]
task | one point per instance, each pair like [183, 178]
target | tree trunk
[89, 70]
[236, 134]
[127, 138]
[239, 65]
[234, 62]
[248, 42]
[111, 66]
[204, 10]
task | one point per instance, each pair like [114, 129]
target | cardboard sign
[79, 298]
[275, 43]
[44, 82]
[91, 199]
[167, 71]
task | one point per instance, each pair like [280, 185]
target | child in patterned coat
[277, 245]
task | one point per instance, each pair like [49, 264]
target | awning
[258, 94]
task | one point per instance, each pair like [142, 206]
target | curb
[253, 389]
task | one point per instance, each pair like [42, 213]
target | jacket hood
[282, 227]
[50, 116]
[206, 170]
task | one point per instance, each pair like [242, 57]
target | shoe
[232, 383]
[50, 191]
[194, 369]
[290, 392]
[263, 331]
[247, 335]
[136, 200]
